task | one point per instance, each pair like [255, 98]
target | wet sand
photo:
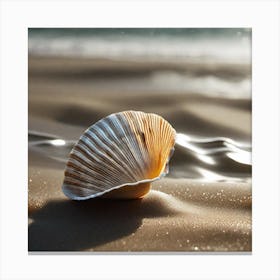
[179, 214]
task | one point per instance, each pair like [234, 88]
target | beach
[204, 204]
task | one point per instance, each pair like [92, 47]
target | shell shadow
[67, 225]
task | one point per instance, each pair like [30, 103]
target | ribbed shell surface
[122, 149]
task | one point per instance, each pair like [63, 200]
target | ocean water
[148, 43]
[208, 61]
[198, 79]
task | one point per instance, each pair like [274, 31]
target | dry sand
[177, 215]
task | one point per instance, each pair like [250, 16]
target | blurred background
[199, 79]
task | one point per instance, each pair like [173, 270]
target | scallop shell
[119, 157]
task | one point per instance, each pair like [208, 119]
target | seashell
[119, 157]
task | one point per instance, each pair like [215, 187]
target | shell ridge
[75, 184]
[135, 145]
[118, 162]
[127, 131]
[119, 152]
[95, 158]
[116, 141]
[136, 125]
[74, 178]
[87, 175]
[98, 132]
[103, 174]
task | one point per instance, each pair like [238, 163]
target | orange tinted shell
[119, 156]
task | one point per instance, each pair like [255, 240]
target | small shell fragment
[119, 157]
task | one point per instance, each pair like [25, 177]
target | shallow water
[209, 159]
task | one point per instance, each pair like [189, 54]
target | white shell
[124, 150]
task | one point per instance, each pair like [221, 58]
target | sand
[177, 215]
[180, 214]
